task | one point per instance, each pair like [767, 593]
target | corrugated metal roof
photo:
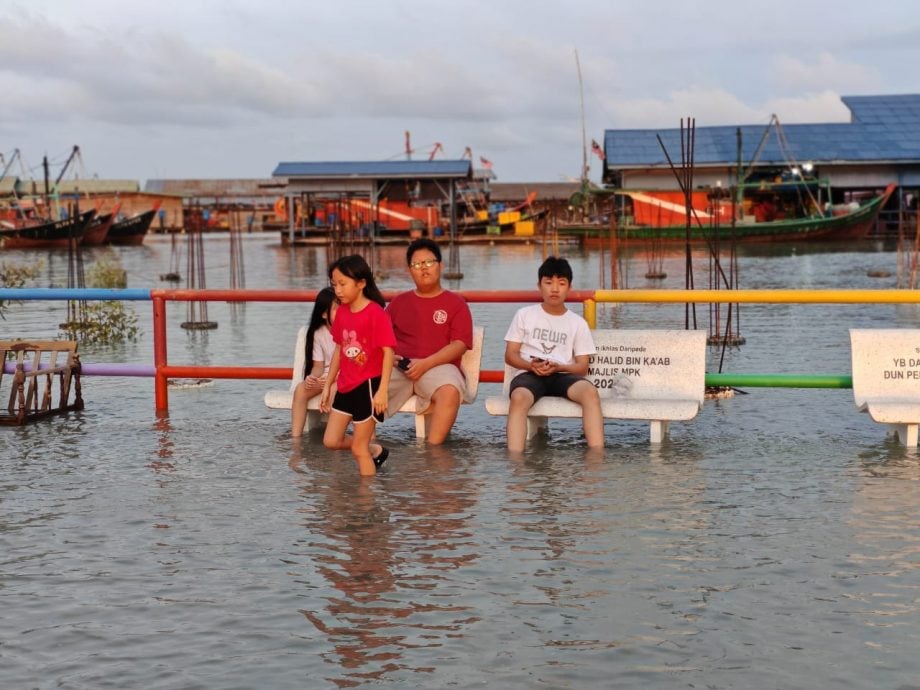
[376, 169]
[546, 191]
[883, 128]
[97, 186]
[211, 188]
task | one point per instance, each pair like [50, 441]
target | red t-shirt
[361, 336]
[423, 325]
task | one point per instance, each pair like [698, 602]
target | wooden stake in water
[197, 311]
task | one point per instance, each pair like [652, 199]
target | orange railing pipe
[165, 371]
[191, 371]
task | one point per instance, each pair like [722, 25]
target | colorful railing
[162, 371]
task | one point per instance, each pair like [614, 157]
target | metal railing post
[161, 383]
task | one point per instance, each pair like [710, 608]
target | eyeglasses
[427, 263]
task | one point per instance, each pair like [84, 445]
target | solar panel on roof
[882, 127]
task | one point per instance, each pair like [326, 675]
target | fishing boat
[98, 229]
[654, 217]
[131, 231]
[45, 235]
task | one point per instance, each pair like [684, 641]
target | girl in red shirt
[361, 364]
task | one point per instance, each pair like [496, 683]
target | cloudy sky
[224, 88]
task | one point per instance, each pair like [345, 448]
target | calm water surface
[773, 542]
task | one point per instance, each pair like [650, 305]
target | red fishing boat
[44, 235]
[98, 229]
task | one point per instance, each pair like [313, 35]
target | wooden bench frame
[657, 398]
[31, 395]
[470, 364]
[886, 378]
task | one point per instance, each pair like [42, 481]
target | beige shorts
[401, 388]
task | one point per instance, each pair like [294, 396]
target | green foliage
[104, 322]
[107, 273]
[16, 276]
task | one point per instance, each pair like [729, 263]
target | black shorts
[358, 403]
[554, 384]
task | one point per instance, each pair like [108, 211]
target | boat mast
[584, 136]
[739, 190]
[47, 194]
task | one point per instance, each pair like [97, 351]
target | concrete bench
[469, 363]
[651, 375]
[886, 378]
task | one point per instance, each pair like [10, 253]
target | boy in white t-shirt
[550, 347]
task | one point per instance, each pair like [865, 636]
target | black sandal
[382, 458]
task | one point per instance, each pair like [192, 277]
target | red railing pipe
[164, 371]
[161, 382]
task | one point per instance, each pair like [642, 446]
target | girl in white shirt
[319, 351]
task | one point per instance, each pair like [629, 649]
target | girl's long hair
[320, 317]
[355, 267]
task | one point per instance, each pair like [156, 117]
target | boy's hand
[542, 367]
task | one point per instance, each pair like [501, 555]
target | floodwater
[773, 542]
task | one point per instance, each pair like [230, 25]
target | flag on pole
[597, 150]
[486, 163]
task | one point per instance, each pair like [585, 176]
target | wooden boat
[98, 229]
[131, 231]
[51, 234]
[855, 223]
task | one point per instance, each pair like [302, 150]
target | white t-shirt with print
[558, 338]
[323, 348]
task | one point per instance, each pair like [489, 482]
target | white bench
[469, 363]
[886, 378]
[659, 376]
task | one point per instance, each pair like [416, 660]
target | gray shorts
[402, 388]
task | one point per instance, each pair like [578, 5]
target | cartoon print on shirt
[439, 317]
[352, 349]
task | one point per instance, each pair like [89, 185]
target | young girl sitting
[361, 364]
[319, 351]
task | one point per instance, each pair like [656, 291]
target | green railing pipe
[780, 380]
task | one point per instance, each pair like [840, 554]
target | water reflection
[165, 447]
[385, 551]
[883, 568]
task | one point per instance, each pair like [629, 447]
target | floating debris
[719, 392]
[190, 383]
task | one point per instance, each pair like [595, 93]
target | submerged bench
[469, 363]
[39, 371]
[652, 375]
[886, 378]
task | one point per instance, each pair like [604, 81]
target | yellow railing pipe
[590, 312]
[762, 296]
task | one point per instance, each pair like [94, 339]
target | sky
[228, 89]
